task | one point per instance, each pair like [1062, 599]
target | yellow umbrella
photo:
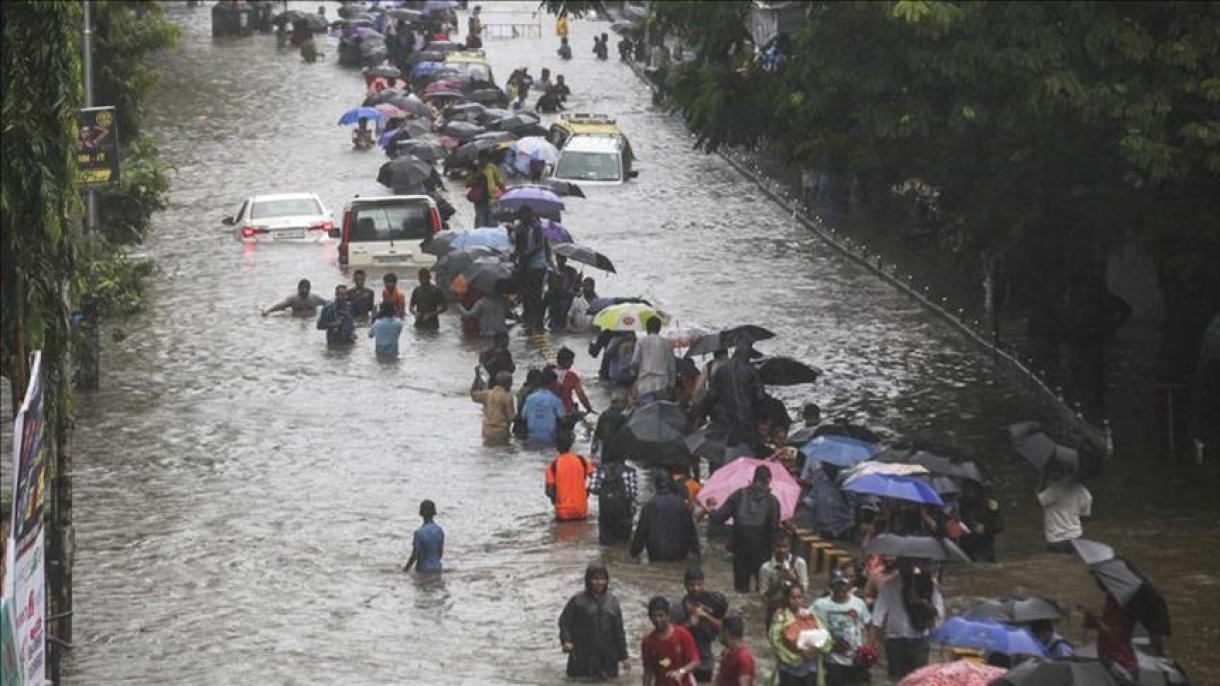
[627, 317]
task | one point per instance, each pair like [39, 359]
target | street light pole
[91, 362]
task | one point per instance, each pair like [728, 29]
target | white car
[283, 217]
[595, 159]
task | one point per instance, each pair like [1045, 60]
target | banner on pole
[23, 601]
[97, 151]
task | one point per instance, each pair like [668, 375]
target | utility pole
[90, 374]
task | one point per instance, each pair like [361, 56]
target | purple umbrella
[540, 200]
[424, 68]
[555, 232]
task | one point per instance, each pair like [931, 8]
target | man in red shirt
[569, 382]
[1115, 628]
[669, 653]
[565, 480]
[737, 662]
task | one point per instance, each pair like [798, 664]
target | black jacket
[594, 625]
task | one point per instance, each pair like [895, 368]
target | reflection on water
[246, 496]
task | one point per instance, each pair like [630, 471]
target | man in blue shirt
[385, 331]
[336, 319]
[428, 544]
[542, 411]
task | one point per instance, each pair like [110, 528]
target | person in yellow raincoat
[795, 666]
[561, 25]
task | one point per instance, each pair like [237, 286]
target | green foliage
[125, 35]
[119, 282]
[573, 8]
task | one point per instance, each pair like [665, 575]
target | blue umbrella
[353, 115]
[425, 68]
[989, 636]
[891, 486]
[540, 200]
[492, 237]
[839, 450]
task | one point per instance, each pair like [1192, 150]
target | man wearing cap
[845, 615]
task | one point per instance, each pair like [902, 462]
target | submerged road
[245, 495]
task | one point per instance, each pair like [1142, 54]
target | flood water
[245, 496]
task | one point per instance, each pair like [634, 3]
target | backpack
[751, 511]
[613, 501]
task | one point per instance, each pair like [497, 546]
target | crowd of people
[881, 605]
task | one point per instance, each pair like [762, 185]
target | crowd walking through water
[693, 415]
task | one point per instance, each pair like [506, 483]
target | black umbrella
[497, 136]
[467, 111]
[729, 338]
[441, 243]
[1126, 583]
[935, 464]
[624, 27]
[445, 46]
[385, 71]
[488, 96]
[1038, 672]
[486, 274]
[516, 121]
[426, 150]
[563, 188]
[469, 152]
[404, 171]
[584, 255]
[1034, 445]
[444, 94]
[426, 56]
[1153, 670]
[1015, 609]
[353, 9]
[410, 16]
[922, 547]
[461, 130]
[655, 433]
[453, 263]
[785, 371]
[491, 114]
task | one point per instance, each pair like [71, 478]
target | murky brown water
[245, 495]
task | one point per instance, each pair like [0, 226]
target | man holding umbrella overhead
[737, 390]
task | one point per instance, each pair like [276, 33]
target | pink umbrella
[442, 85]
[390, 111]
[958, 673]
[740, 473]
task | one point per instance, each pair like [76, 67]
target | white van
[388, 231]
[595, 159]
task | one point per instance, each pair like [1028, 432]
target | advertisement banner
[24, 596]
[97, 152]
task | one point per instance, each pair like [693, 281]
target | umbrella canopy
[426, 150]
[801, 436]
[890, 468]
[441, 243]
[957, 673]
[389, 111]
[730, 338]
[624, 26]
[411, 104]
[405, 14]
[839, 450]
[443, 85]
[470, 111]
[561, 188]
[585, 255]
[404, 171]
[354, 115]
[495, 136]
[384, 71]
[739, 473]
[1039, 449]
[920, 547]
[535, 148]
[785, 371]
[516, 121]
[1153, 670]
[855, 431]
[492, 237]
[444, 94]
[451, 264]
[555, 232]
[461, 130]
[425, 68]
[1015, 609]
[899, 487]
[1093, 552]
[987, 635]
[540, 200]
[488, 96]
[469, 152]
[491, 114]
[709, 442]
[409, 130]
[602, 303]
[485, 274]
[654, 434]
[1057, 673]
[626, 317]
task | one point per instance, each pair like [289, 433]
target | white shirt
[768, 574]
[1063, 504]
[890, 614]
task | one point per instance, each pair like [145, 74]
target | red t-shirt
[734, 664]
[1116, 645]
[567, 387]
[662, 655]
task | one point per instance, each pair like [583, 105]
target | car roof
[386, 200]
[583, 122]
[466, 57]
[285, 196]
[594, 143]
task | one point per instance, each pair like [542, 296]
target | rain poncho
[666, 527]
[737, 391]
[832, 510]
[593, 624]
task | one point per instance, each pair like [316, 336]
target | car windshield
[407, 221]
[471, 71]
[590, 166]
[292, 207]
